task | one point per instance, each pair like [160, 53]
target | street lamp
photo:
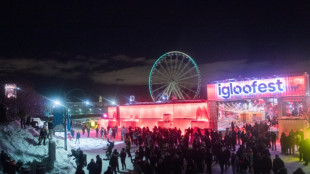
[65, 114]
[57, 102]
[66, 110]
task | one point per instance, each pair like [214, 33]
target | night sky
[109, 48]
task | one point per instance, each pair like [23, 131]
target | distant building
[10, 90]
[79, 110]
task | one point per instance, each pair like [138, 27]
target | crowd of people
[296, 140]
[163, 150]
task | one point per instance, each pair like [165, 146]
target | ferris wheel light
[176, 74]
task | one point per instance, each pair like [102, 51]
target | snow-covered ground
[86, 143]
[21, 144]
[93, 146]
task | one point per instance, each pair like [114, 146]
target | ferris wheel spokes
[184, 67]
[174, 75]
[188, 71]
[187, 77]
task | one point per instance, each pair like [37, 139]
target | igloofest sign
[270, 87]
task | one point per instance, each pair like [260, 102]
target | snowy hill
[21, 144]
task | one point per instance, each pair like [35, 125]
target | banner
[68, 122]
[58, 119]
[296, 86]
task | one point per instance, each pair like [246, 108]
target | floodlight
[57, 102]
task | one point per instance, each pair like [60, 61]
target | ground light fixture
[92, 123]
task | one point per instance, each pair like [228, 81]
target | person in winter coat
[91, 167]
[234, 163]
[222, 159]
[43, 134]
[123, 158]
[299, 171]
[278, 164]
[227, 157]
[98, 164]
[104, 133]
[88, 131]
[83, 129]
[22, 116]
[209, 161]
[110, 132]
[81, 159]
[79, 170]
[28, 120]
[109, 170]
[123, 133]
[50, 128]
[12, 168]
[97, 131]
[5, 161]
[72, 133]
[128, 146]
[273, 141]
[114, 161]
[244, 164]
[101, 132]
[78, 136]
[267, 164]
[258, 163]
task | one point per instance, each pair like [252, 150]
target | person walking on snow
[98, 164]
[101, 132]
[123, 133]
[128, 146]
[83, 129]
[88, 131]
[91, 167]
[72, 133]
[123, 158]
[78, 136]
[50, 128]
[97, 131]
[43, 134]
[110, 133]
[22, 116]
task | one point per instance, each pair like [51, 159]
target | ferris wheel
[174, 75]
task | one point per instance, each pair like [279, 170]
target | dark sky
[108, 48]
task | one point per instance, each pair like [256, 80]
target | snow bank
[21, 144]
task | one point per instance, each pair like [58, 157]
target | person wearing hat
[98, 164]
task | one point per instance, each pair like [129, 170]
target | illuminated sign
[259, 88]
[226, 90]
[10, 90]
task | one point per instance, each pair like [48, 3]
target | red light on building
[169, 115]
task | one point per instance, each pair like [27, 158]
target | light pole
[64, 116]
[66, 113]
[65, 121]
